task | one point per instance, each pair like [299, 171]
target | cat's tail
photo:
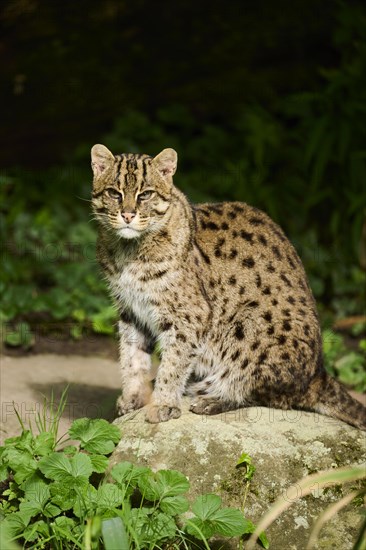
[335, 401]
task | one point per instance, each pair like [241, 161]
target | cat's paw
[207, 406]
[125, 406]
[161, 413]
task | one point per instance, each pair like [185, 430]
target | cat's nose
[128, 216]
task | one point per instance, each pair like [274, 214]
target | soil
[88, 368]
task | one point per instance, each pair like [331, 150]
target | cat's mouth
[129, 232]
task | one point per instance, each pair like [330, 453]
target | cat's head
[132, 193]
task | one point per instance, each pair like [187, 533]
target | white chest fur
[136, 288]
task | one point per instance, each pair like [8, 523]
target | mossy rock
[285, 446]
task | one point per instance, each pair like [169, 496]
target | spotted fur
[221, 290]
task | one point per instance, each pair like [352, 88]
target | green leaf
[263, 538]
[44, 444]
[104, 320]
[109, 496]
[174, 505]
[38, 529]
[23, 442]
[37, 491]
[86, 501]
[127, 474]
[4, 472]
[55, 466]
[81, 466]
[152, 527]
[64, 523]
[99, 463]
[164, 483]
[205, 529]
[70, 450]
[20, 462]
[14, 524]
[95, 435]
[59, 467]
[29, 509]
[114, 534]
[245, 461]
[36, 495]
[50, 510]
[21, 336]
[205, 506]
[229, 522]
[63, 496]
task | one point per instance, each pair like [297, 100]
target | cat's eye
[145, 195]
[114, 194]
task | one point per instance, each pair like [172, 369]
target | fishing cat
[218, 286]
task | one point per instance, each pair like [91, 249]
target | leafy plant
[64, 498]
[348, 366]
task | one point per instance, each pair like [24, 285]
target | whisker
[82, 199]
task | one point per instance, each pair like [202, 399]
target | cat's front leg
[135, 361]
[171, 378]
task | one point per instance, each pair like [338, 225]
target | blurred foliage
[300, 156]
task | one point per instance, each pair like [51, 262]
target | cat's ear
[166, 162]
[101, 158]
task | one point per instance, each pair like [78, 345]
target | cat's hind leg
[205, 400]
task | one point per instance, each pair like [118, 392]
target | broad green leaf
[36, 490]
[205, 506]
[4, 472]
[36, 495]
[59, 467]
[229, 522]
[63, 496]
[152, 527]
[114, 534]
[6, 536]
[14, 524]
[99, 463]
[44, 444]
[38, 529]
[95, 435]
[21, 463]
[86, 501]
[200, 528]
[127, 475]
[64, 523]
[109, 496]
[174, 505]
[29, 509]
[164, 483]
[70, 450]
[23, 442]
[55, 466]
[81, 466]
[50, 510]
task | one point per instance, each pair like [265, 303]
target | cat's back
[248, 253]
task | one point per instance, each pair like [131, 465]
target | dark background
[71, 69]
[264, 101]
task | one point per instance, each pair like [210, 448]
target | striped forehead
[131, 170]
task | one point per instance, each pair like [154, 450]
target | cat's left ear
[166, 162]
[101, 159]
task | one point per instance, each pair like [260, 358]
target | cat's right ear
[101, 159]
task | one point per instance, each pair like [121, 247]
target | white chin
[128, 233]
